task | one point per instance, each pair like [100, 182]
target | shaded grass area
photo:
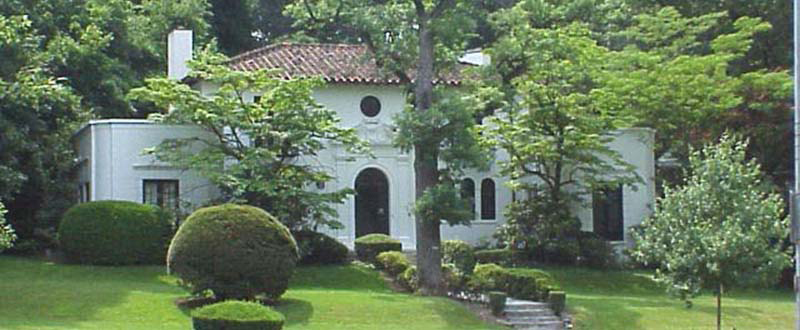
[39, 295]
[632, 300]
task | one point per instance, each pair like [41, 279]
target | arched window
[487, 200]
[468, 194]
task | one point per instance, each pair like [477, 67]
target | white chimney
[179, 51]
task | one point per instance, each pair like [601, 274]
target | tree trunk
[429, 256]
[719, 307]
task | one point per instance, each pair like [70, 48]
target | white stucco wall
[113, 149]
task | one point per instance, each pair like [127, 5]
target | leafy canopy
[259, 152]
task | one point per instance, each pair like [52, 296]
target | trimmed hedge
[495, 256]
[595, 252]
[318, 248]
[115, 233]
[497, 302]
[459, 253]
[558, 301]
[529, 284]
[369, 246]
[236, 315]
[236, 251]
[394, 262]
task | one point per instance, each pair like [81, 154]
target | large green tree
[417, 42]
[257, 152]
[38, 113]
[103, 48]
[546, 82]
[722, 230]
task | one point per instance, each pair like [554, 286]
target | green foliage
[236, 251]
[251, 148]
[557, 301]
[409, 279]
[497, 302]
[115, 233]
[595, 252]
[723, 228]
[494, 256]
[38, 114]
[453, 279]
[530, 284]
[394, 262]
[7, 235]
[459, 253]
[237, 315]
[369, 246]
[318, 248]
[443, 202]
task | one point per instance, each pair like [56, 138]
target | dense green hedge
[393, 262]
[521, 283]
[115, 233]
[236, 315]
[496, 256]
[236, 251]
[409, 279]
[318, 248]
[459, 253]
[557, 301]
[369, 246]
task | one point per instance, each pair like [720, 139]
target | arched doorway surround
[372, 202]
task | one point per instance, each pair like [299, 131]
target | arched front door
[372, 202]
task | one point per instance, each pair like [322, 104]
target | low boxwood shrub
[318, 248]
[459, 253]
[393, 262]
[409, 279]
[454, 280]
[369, 246]
[115, 233]
[236, 251]
[486, 277]
[595, 252]
[495, 256]
[557, 301]
[497, 302]
[236, 315]
[523, 283]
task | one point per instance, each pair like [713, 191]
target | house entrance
[372, 202]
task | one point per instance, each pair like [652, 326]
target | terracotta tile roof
[335, 63]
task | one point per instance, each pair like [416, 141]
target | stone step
[527, 308]
[529, 313]
[517, 302]
[534, 325]
[533, 320]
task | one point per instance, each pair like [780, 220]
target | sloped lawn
[40, 295]
[631, 300]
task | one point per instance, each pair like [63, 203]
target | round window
[370, 106]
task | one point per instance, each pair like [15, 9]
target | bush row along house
[112, 166]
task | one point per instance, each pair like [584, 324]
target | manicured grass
[631, 300]
[40, 295]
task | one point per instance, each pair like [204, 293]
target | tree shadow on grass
[296, 311]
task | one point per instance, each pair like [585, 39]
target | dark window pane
[163, 193]
[487, 200]
[608, 220]
[468, 194]
[370, 106]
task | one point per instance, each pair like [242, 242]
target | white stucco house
[112, 165]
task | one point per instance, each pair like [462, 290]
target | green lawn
[631, 300]
[40, 295]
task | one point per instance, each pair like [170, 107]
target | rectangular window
[84, 192]
[163, 193]
[607, 213]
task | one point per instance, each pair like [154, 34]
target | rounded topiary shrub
[318, 248]
[236, 251]
[115, 233]
[459, 253]
[394, 262]
[236, 315]
[369, 246]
